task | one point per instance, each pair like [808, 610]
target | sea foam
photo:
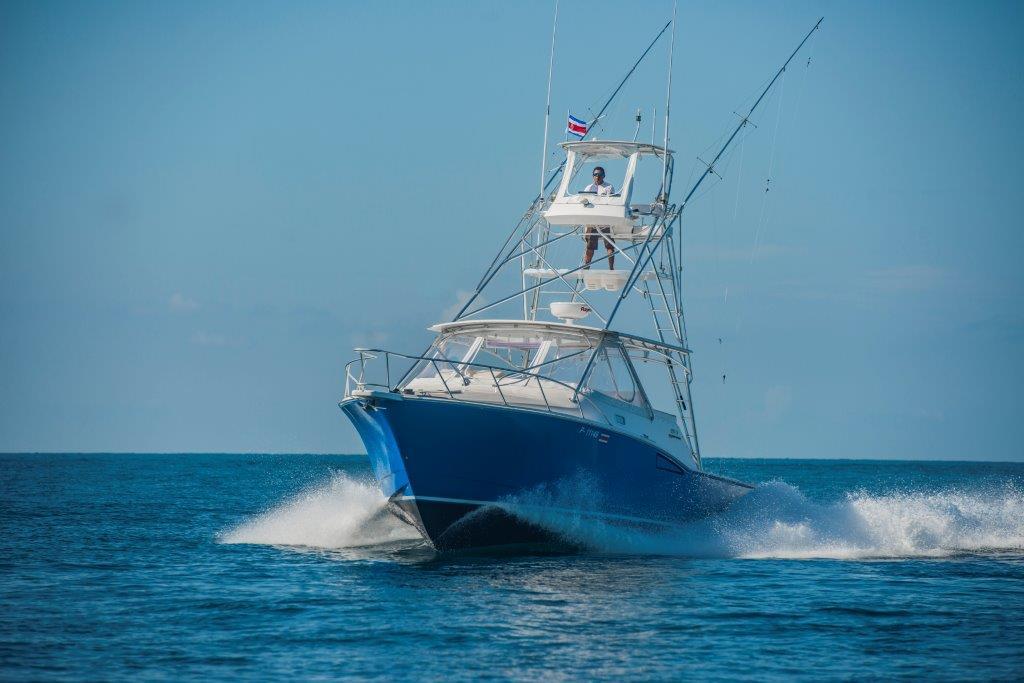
[339, 513]
[776, 520]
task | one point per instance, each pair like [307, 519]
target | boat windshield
[552, 354]
[557, 355]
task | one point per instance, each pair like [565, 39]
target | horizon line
[363, 455]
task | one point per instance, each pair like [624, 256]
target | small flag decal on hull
[577, 127]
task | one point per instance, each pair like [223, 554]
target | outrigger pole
[746, 119]
[543, 167]
[668, 107]
[547, 107]
[676, 214]
[642, 263]
[538, 202]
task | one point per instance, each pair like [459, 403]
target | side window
[499, 356]
[566, 363]
[455, 347]
[611, 376]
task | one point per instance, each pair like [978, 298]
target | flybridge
[616, 210]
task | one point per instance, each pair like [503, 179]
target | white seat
[636, 233]
[609, 280]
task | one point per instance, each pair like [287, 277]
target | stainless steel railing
[499, 376]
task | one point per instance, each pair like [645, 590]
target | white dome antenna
[569, 311]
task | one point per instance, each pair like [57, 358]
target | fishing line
[718, 275]
[739, 180]
[803, 86]
[755, 248]
[771, 167]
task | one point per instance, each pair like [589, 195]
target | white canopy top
[593, 333]
[612, 148]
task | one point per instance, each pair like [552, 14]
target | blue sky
[204, 206]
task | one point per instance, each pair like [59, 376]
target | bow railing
[500, 377]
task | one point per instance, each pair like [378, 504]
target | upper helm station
[570, 208]
[626, 227]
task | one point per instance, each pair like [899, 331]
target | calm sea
[255, 566]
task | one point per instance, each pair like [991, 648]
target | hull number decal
[595, 434]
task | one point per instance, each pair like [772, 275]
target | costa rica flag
[577, 127]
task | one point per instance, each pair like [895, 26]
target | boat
[520, 410]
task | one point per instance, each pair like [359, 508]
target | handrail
[371, 354]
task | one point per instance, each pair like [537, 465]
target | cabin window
[566, 362]
[611, 376]
[456, 347]
[508, 352]
[449, 353]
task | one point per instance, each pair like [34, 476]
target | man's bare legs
[592, 236]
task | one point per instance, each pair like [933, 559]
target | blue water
[198, 566]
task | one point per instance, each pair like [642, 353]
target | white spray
[340, 513]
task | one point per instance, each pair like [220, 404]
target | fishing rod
[676, 216]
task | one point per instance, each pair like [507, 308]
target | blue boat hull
[459, 471]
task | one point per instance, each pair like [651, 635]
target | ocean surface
[256, 566]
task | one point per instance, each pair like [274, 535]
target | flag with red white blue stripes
[577, 127]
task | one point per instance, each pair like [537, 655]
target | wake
[775, 520]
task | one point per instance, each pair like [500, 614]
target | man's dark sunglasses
[598, 173]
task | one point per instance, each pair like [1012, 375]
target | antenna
[547, 109]
[637, 131]
[668, 106]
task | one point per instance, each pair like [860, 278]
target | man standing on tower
[595, 233]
